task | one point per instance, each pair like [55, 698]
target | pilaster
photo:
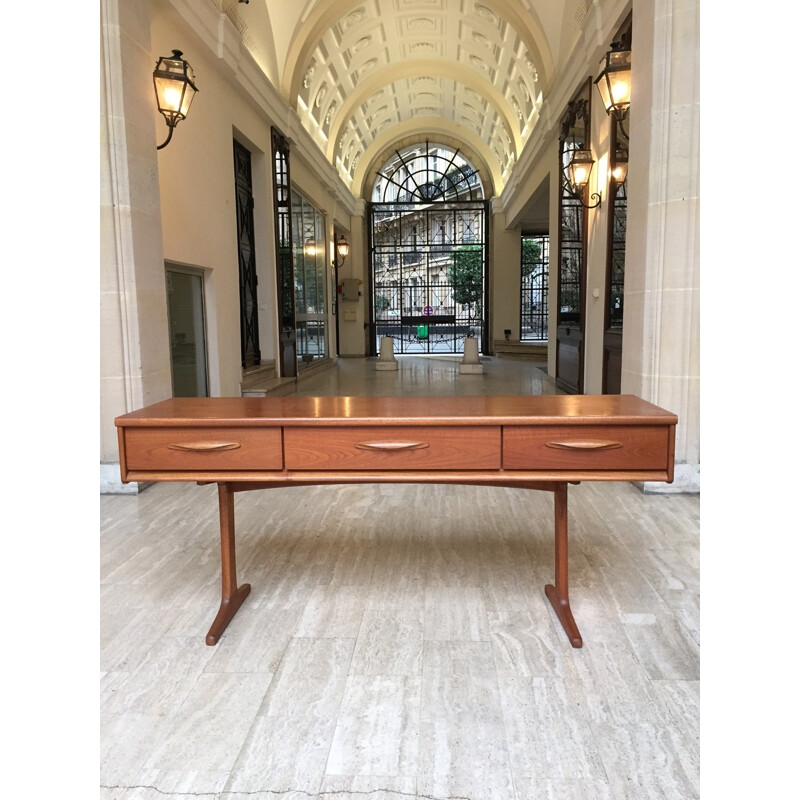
[134, 358]
[661, 353]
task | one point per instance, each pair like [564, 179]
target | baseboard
[110, 482]
[686, 481]
[512, 348]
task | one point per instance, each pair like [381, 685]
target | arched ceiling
[360, 72]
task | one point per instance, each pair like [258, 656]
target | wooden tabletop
[438, 410]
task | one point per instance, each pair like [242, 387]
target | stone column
[135, 358]
[661, 353]
[504, 279]
[354, 331]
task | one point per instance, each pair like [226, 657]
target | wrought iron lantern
[173, 79]
[342, 251]
[619, 172]
[578, 174]
[614, 80]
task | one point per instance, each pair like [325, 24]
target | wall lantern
[578, 173]
[620, 170]
[342, 251]
[173, 79]
[614, 80]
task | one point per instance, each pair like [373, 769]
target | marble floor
[424, 375]
[397, 643]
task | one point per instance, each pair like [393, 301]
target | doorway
[428, 250]
[187, 332]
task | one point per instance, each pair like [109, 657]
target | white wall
[353, 315]
[178, 204]
[196, 176]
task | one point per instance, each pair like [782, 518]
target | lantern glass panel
[580, 168]
[174, 83]
[614, 82]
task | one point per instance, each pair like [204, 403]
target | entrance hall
[397, 643]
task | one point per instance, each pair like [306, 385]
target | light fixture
[173, 79]
[614, 80]
[578, 172]
[342, 251]
[619, 171]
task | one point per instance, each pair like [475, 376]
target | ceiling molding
[239, 67]
[345, 53]
[429, 67]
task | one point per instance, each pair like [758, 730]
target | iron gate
[427, 253]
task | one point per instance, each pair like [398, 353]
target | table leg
[232, 595]
[559, 594]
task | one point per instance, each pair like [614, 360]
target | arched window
[428, 252]
[425, 174]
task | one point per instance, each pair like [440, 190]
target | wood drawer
[203, 448]
[392, 448]
[579, 447]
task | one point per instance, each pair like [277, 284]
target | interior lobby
[345, 87]
[336, 163]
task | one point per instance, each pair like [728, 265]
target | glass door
[310, 289]
[187, 333]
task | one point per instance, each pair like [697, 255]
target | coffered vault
[359, 72]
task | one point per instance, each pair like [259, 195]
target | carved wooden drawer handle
[391, 446]
[584, 445]
[204, 447]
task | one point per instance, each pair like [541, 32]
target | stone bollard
[386, 359]
[470, 364]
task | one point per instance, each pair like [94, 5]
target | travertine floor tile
[369, 787]
[616, 687]
[463, 747]
[389, 643]
[455, 614]
[260, 641]
[648, 761]
[397, 643]
[333, 612]
[538, 789]
[207, 731]
[285, 752]
[163, 678]
[310, 678]
[377, 731]
[525, 643]
[548, 735]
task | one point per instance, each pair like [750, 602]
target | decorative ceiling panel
[381, 63]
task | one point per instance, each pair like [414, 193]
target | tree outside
[465, 273]
[531, 256]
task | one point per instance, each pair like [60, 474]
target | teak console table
[529, 442]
